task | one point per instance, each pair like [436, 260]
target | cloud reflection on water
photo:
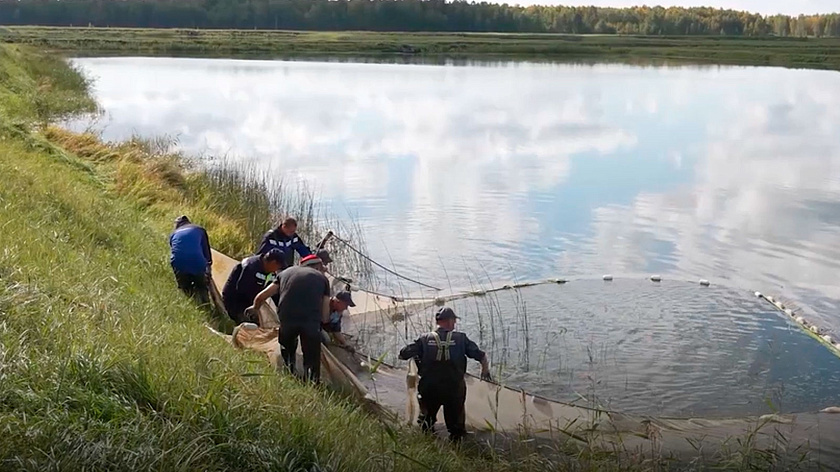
[724, 173]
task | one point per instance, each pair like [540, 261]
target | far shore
[809, 53]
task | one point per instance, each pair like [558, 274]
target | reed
[104, 365]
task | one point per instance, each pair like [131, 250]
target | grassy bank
[790, 52]
[104, 365]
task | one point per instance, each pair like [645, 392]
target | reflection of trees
[427, 149]
[412, 15]
[454, 151]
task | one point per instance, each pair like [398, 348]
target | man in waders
[441, 358]
[304, 304]
[250, 277]
[191, 259]
[286, 239]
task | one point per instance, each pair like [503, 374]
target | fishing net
[670, 348]
[630, 365]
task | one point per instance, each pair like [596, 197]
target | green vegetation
[103, 364]
[39, 87]
[411, 15]
[789, 52]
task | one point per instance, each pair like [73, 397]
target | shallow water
[462, 174]
[670, 348]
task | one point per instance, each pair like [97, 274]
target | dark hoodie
[276, 239]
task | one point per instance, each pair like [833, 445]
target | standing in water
[285, 238]
[441, 358]
[191, 259]
[304, 303]
[248, 278]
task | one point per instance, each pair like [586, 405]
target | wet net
[636, 366]
[670, 348]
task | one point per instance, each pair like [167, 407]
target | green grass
[822, 53]
[104, 365]
[37, 86]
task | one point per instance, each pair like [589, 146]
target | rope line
[397, 298]
[386, 269]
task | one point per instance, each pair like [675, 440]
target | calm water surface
[672, 348]
[532, 170]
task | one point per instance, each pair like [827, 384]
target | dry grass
[235, 203]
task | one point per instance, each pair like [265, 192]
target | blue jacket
[276, 239]
[190, 250]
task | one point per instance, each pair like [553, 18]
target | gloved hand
[485, 376]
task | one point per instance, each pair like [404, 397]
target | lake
[526, 171]
[670, 349]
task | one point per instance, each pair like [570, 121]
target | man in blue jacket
[286, 239]
[191, 259]
[247, 280]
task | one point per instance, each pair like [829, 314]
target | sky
[767, 7]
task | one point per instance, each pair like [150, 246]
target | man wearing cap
[441, 358]
[248, 278]
[304, 304]
[191, 259]
[285, 238]
[338, 305]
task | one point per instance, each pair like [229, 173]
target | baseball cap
[275, 255]
[324, 255]
[345, 297]
[446, 313]
[310, 260]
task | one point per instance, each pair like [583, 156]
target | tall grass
[235, 201]
[237, 188]
[39, 87]
[104, 365]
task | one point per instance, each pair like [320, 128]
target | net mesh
[388, 389]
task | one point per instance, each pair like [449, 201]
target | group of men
[306, 308]
[302, 293]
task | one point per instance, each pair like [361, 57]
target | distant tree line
[409, 15]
